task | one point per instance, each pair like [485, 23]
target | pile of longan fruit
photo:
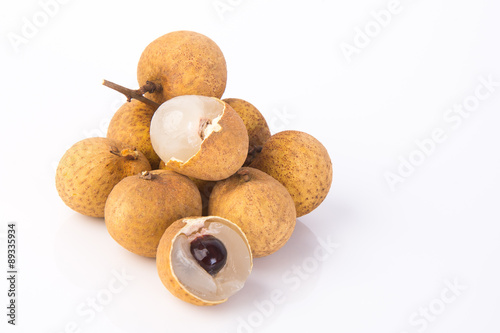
[193, 180]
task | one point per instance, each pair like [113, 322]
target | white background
[395, 251]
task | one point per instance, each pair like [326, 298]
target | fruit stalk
[129, 154]
[136, 94]
[244, 175]
[146, 175]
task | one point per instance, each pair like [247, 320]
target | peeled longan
[301, 163]
[200, 137]
[183, 63]
[204, 260]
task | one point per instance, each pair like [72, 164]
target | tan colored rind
[260, 206]
[130, 125]
[302, 164]
[88, 171]
[138, 211]
[204, 186]
[258, 130]
[183, 63]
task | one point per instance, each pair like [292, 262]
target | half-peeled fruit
[199, 136]
[204, 260]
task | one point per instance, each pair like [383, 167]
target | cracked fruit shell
[204, 260]
[200, 137]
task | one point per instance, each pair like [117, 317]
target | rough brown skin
[183, 63]
[221, 154]
[130, 125]
[141, 207]
[258, 130]
[204, 186]
[90, 169]
[259, 205]
[302, 164]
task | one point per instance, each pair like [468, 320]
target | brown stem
[146, 175]
[149, 87]
[136, 94]
[129, 154]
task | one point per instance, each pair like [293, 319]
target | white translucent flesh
[175, 126]
[228, 280]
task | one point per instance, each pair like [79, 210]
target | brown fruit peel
[260, 206]
[168, 196]
[183, 63]
[255, 123]
[87, 173]
[302, 164]
[130, 125]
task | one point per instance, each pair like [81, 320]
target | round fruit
[200, 137]
[203, 260]
[204, 186]
[259, 205]
[183, 63]
[257, 128]
[141, 207]
[130, 125]
[301, 163]
[90, 169]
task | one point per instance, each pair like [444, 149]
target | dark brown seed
[210, 253]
